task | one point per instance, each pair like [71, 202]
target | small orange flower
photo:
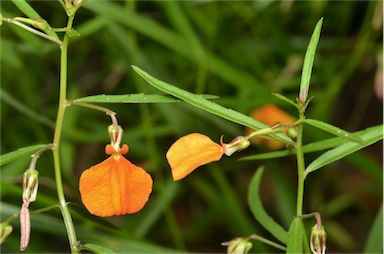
[270, 115]
[190, 152]
[115, 186]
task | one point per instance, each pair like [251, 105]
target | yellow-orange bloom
[270, 115]
[115, 186]
[190, 152]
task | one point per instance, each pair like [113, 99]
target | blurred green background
[239, 50]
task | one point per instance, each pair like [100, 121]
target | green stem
[56, 142]
[300, 167]
[266, 241]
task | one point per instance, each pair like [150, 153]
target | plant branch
[300, 167]
[96, 107]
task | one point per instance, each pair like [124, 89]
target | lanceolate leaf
[374, 242]
[25, 151]
[207, 105]
[332, 129]
[258, 211]
[134, 98]
[97, 249]
[296, 236]
[308, 62]
[312, 147]
[339, 152]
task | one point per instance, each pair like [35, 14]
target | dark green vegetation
[240, 51]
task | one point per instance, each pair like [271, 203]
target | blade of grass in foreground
[258, 211]
[206, 105]
[134, 98]
[369, 138]
[308, 62]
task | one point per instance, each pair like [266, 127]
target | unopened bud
[5, 231]
[318, 239]
[237, 144]
[30, 185]
[238, 246]
[292, 132]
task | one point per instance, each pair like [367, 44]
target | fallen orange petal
[115, 187]
[190, 152]
[270, 115]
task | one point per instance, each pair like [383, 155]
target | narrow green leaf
[308, 62]
[369, 138]
[332, 129]
[31, 13]
[135, 98]
[206, 105]
[25, 151]
[285, 99]
[97, 249]
[258, 211]
[374, 243]
[296, 236]
[312, 147]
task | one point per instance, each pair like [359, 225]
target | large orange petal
[190, 152]
[115, 187]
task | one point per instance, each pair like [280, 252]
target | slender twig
[36, 155]
[300, 167]
[266, 241]
[96, 107]
[56, 141]
[32, 30]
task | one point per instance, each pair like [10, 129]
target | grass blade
[308, 62]
[25, 151]
[295, 236]
[369, 138]
[206, 105]
[31, 13]
[332, 129]
[374, 243]
[97, 249]
[135, 98]
[258, 211]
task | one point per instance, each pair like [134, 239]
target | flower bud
[30, 185]
[292, 132]
[318, 239]
[237, 144]
[238, 246]
[5, 231]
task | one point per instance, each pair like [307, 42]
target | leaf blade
[332, 129]
[206, 105]
[134, 98]
[25, 151]
[295, 236]
[97, 249]
[337, 153]
[258, 211]
[308, 61]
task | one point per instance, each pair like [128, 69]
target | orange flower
[115, 186]
[190, 152]
[270, 115]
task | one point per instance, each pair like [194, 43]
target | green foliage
[374, 241]
[97, 249]
[258, 211]
[21, 152]
[296, 235]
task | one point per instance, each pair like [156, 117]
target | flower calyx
[237, 144]
[30, 185]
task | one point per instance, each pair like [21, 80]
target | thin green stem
[56, 142]
[300, 167]
[266, 241]
[96, 107]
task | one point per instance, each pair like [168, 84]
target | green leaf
[332, 129]
[97, 249]
[369, 138]
[206, 105]
[25, 151]
[31, 13]
[308, 62]
[258, 211]
[296, 236]
[135, 98]
[285, 99]
[374, 243]
[312, 147]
